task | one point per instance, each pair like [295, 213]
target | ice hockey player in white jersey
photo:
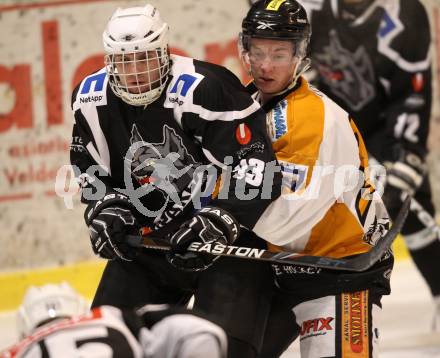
[54, 321]
[328, 206]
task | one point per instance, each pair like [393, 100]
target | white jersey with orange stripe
[153, 331]
[100, 331]
[328, 207]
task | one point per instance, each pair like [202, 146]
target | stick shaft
[357, 263]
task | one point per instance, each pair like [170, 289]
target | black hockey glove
[404, 178]
[210, 225]
[110, 220]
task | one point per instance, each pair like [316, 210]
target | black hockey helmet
[275, 19]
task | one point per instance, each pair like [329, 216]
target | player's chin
[266, 86]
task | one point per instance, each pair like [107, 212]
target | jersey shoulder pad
[92, 91]
[405, 22]
[196, 84]
[188, 73]
[219, 73]
[184, 81]
[223, 89]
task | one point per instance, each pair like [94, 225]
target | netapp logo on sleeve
[89, 99]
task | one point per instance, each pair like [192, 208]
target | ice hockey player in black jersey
[372, 58]
[152, 133]
[54, 321]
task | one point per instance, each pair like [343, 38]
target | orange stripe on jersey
[338, 234]
[305, 122]
[274, 248]
[65, 323]
[355, 325]
[363, 153]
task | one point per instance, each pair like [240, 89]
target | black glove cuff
[111, 199]
[226, 222]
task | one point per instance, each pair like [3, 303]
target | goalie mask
[281, 20]
[137, 59]
[46, 303]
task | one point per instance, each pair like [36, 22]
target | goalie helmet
[137, 56]
[42, 304]
[278, 20]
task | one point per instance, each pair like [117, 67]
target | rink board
[82, 276]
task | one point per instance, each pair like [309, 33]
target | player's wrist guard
[223, 220]
[111, 199]
[407, 173]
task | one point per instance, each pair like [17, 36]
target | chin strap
[305, 65]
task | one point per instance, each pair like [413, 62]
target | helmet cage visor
[137, 63]
[139, 77]
[248, 54]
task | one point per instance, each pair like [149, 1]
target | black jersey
[377, 67]
[203, 121]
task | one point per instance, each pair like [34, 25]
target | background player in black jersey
[152, 132]
[372, 58]
[54, 321]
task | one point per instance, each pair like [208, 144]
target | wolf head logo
[349, 75]
[166, 166]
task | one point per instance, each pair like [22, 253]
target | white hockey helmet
[137, 56]
[42, 304]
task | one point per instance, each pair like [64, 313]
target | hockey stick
[356, 263]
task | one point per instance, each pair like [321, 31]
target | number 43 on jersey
[251, 170]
